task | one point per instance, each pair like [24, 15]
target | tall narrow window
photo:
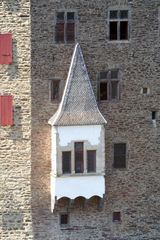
[79, 157]
[119, 155]
[118, 25]
[54, 90]
[91, 161]
[65, 27]
[66, 162]
[6, 110]
[109, 85]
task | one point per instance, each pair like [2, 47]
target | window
[54, 90]
[153, 115]
[6, 110]
[109, 85]
[66, 162]
[120, 155]
[78, 147]
[116, 217]
[65, 27]
[6, 48]
[91, 161]
[64, 219]
[118, 25]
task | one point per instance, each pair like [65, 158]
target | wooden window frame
[60, 219]
[108, 80]
[119, 20]
[66, 21]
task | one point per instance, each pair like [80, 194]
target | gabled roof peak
[78, 105]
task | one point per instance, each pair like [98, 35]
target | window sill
[80, 174]
[118, 41]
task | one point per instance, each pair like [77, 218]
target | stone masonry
[25, 148]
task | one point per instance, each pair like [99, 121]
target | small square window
[123, 14]
[116, 216]
[60, 16]
[64, 219]
[70, 16]
[114, 74]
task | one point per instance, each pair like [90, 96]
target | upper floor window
[119, 155]
[54, 89]
[65, 27]
[118, 25]
[78, 148]
[109, 85]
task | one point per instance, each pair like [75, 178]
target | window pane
[113, 14]
[70, 32]
[54, 90]
[114, 74]
[103, 90]
[60, 16]
[59, 33]
[91, 161]
[70, 16]
[123, 30]
[124, 14]
[113, 30]
[120, 155]
[116, 216]
[79, 157]
[66, 162]
[103, 75]
[114, 90]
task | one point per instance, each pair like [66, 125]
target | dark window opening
[65, 27]
[145, 90]
[113, 31]
[66, 162]
[103, 90]
[91, 161]
[153, 115]
[118, 25]
[116, 216]
[114, 74]
[79, 157]
[54, 89]
[123, 30]
[119, 155]
[64, 219]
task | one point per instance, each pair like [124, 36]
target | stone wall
[15, 141]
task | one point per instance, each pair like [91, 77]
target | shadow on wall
[12, 69]
[11, 5]
[16, 131]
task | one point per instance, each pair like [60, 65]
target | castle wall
[15, 141]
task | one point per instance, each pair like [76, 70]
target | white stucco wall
[76, 186]
[79, 133]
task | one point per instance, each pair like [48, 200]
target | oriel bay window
[77, 160]
[65, 27]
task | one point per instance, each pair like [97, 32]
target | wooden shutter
[6, 48]
[70, 32]
[120, 155]
[59, 32]
[6, 110]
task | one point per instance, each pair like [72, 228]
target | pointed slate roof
[78, 105]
